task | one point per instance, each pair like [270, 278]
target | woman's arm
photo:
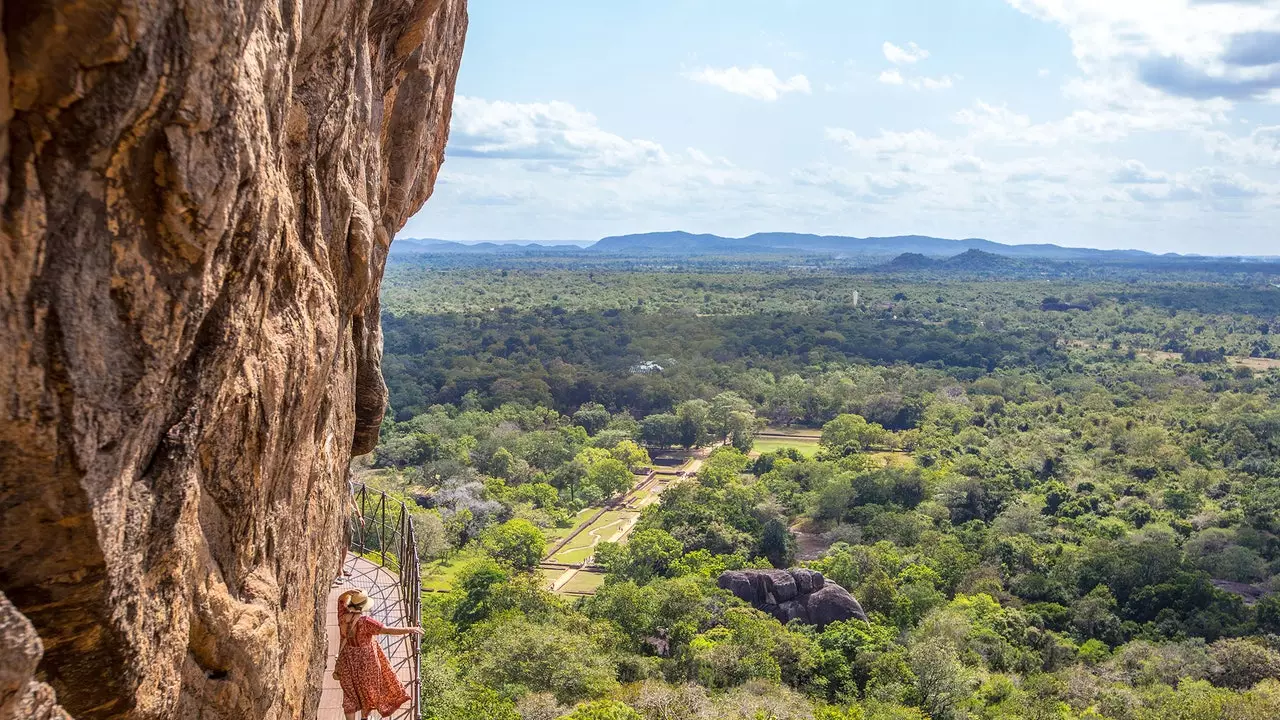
[400, 631]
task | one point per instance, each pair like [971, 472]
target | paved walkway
[384, 587]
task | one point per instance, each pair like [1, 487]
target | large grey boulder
[780, 584]
[807, 580]
[832, 603]
[738, 583]
[797, 594]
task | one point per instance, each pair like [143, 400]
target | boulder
[792, 610]
[762, 589]
[798, 594]
[738, 583]
[832, 603]
[807, 580]
[780, 584]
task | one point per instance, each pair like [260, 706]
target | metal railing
[382, 533]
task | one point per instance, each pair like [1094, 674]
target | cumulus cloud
[891, 77]
[912, 53]
[894, 77]
[1261, 147]
[887, 143]
[1179, 77]
[553, 134]
[1185, 48]
[1252, 49]
[757, 83]
[1133, 172]
[933, 83]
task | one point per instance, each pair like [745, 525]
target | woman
[368, 681]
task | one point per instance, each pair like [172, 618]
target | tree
[693, 422]
[606, 473]
[517, 655]
[942, 681]
[721, 413]
[741, 426]
[630, 454]
[475, 588]
[661, 430]
[648, 554]
[848, 434]
[610, 476]
[518, 542]
[1242, 663]
[592, 417]
[603, 710]
[777, 543]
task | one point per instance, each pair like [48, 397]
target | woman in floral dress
[368, 681]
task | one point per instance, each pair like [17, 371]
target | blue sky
[1107, 123]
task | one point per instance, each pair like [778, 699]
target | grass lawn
[581, 547]
[814, 433]
[555, 535]
[808, 446]
[440, 574]
[584, 582]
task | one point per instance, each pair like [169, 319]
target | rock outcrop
[22, 698]
[798, 594]
[198, 199]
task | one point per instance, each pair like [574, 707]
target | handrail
[396, 551]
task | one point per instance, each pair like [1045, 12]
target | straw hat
[357, 600]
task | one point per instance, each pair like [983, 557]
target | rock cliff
[799, 594]
[198, 198]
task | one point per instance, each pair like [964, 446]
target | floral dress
[367, 678]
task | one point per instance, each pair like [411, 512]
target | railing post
[382, 526]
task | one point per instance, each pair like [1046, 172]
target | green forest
[1055, 497]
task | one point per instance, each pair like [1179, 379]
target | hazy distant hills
[682, 243]
[920, 251]
[414, 246]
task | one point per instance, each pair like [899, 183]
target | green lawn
[795, 432]
[581, 547]
[808, 446]
[440, 574]
[549, 576]
[584, 582]
[555, 535]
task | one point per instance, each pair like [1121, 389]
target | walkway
[384, 587]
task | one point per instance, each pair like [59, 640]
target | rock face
[21, 698]
[788, 595]
[198, 199]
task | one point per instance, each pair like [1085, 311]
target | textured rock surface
[798, 594]
[197, 203]
[21, 698]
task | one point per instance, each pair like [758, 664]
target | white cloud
[1133, 172]
[1198, 50]
[888, 143]
[1044, 72]
[912, 53]
[928, 83]
[891, 77]
[554, 134]
[757, 83]
[1261, 147]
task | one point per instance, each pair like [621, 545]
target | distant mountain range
[920, 249]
